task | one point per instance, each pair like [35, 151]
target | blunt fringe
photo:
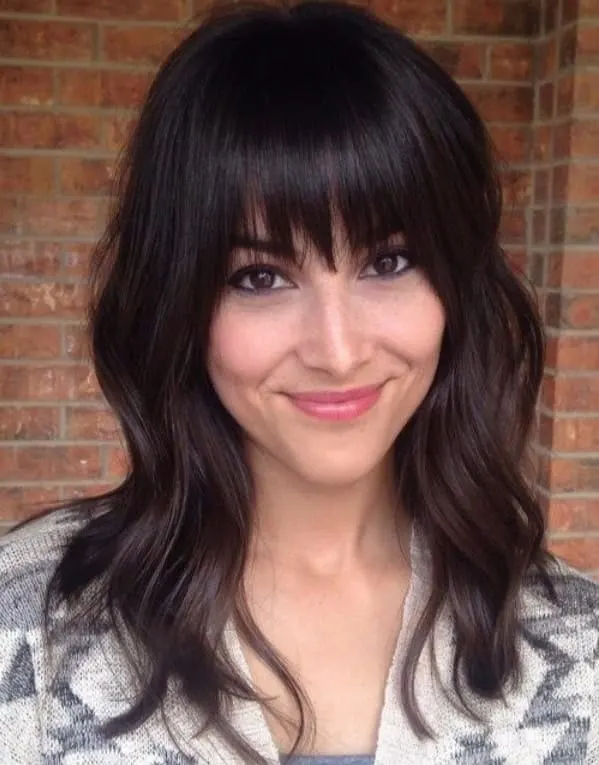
[305, 112]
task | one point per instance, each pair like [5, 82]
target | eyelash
[238, 276]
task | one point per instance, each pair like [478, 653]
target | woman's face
[323, 369]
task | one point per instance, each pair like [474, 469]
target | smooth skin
[328, 569]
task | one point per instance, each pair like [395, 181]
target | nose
[334, 336]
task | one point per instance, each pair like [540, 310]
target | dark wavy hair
[302, 112]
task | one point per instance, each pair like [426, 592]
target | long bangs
[312, 139]
[345, 124]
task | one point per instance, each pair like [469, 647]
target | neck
[326, 530]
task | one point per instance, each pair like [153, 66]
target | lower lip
[342, 410]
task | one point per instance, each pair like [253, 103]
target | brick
[557, 225]
[536, 264]
[542, 143]
[418, 17]
[541, 186]
[513, 227]
[26, 86]
[549, 16]
[572, 311]
[77, 259]
[562, 138]
[569, 475]
[565, 94]
[117, 129]
[498, 103]
[61, 217]
[580, 9]
[517, 187]
[47, 40]
[43, 463]
[26, 258]
[539, 227]
[587, 45]
[47, 299]
[20, 502]
[546, 101]
[586, 91]
[85, 176]
[575, 225]
[584, 138]
[26, 6]
[570, 11]
[582, 183]
[573, 270]
[143, 10]
[45, 382]
[29, 423]
[461, 59]
[547, 59]
[39, 130]
[567, 47]
[91, 424]
[116, 462]
[29, 341]
[513, 144]
[573, 353]
[571, 394]
[570, 434]
[26, 175]
[573, 514]
[560, 175]
[104, 88]
[517, 18]
[10, 216]
[581, 552]
[138, 44]
[76, 342]
[511, 61]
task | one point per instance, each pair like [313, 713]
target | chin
[330, 473]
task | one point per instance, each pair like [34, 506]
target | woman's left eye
[387, 264]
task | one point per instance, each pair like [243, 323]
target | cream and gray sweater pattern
[53, 702]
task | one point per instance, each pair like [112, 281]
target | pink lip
[337, 405]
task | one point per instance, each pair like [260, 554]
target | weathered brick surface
[72, 75]
[47, 40]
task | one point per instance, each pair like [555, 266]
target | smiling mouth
[337, 405]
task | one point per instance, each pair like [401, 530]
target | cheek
[413, 328]
[243, 349]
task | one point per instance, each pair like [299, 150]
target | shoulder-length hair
[302, 112]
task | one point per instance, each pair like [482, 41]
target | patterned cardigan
[53, 699]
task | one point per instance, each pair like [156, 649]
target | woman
[325, 550]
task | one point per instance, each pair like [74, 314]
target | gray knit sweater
[52, 703]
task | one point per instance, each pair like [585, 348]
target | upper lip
[335, 396]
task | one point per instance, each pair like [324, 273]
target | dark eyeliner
[235, 279]
[400, 250]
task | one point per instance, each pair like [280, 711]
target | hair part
[309, 114]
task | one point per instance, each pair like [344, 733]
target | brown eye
[260, 280]
[257, 280]
[388, 264]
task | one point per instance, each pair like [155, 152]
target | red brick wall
[71, 75]
[564, 265]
